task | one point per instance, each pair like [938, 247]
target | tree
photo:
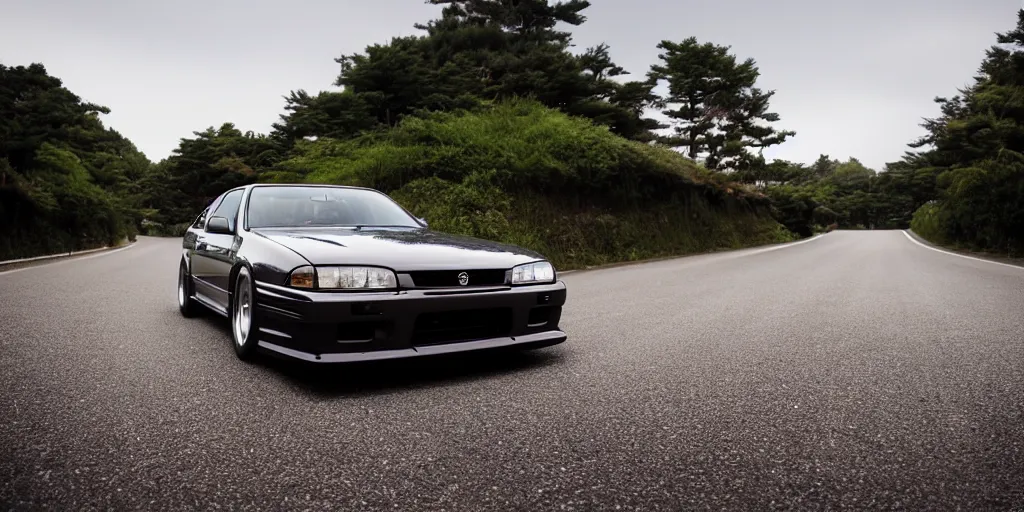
[338, 115]
[974, 154]
[852, 176]
[202, 168]
[619, 105]
[483, 50]
[66, 181]
[717, 113]
[532, 19]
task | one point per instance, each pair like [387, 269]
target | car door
[214, 252]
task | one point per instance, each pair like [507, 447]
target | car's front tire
[244, 319]
[186, 304]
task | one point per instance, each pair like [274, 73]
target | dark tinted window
[228, 208]
[323, 206]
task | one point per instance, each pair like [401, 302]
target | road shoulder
[753, 249]
[11, 266]
[981, 256]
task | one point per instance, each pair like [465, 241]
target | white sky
[852, 78]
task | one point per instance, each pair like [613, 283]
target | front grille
[455, 326]
[450, 278]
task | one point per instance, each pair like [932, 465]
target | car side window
[200, 220]
[228, 207]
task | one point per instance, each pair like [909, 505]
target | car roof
[318, 185]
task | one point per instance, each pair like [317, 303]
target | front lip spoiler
[547, 338]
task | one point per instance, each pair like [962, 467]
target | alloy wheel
[242, 321]
[181, 286]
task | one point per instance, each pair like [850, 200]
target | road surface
[855, 370]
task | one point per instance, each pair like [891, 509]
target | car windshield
[274, 207]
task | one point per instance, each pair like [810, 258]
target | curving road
[855, 370]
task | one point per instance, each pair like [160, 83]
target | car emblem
[463, 279]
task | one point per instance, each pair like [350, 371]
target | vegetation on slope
[522, 173]
[66, 181]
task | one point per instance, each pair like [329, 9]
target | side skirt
[220, 310]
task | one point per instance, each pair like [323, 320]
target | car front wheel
[244, 320]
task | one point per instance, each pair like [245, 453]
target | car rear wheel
[244, 320]
[186, 304]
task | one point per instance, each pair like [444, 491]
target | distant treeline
[489, 125]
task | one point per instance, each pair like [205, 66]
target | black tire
[186, 304]
[243, 311]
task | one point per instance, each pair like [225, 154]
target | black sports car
[336, 274]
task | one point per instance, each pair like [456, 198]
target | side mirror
[218, 225]
[422, 221]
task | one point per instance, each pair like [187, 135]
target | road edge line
[783, 246]
[71, 259]
[753, 250]
[912, 239]
[54, 256]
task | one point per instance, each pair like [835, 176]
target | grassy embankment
[532, 176]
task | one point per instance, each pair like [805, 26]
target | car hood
[401, 249]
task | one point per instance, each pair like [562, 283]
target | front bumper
[335, 327]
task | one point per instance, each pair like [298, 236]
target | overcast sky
[853, 78]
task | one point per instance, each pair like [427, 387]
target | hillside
[522, 173]
[66, 181]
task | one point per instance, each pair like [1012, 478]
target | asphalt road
[855, 370]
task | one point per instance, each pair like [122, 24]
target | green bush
[928, 224]
[528, 147]
[982, 207]
[474, 207]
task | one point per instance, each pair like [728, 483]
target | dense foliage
[200, 170]
[844, 195]
[478, 50]
[977, 156]
[66, 181]
[487, 123]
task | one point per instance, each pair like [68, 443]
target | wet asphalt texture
[857, 370]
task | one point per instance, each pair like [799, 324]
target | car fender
[186, 256]
[242, 262]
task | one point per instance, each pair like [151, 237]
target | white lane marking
[959, 255]
[792, 244]
[735, 253]
[53, 256]
[72, 259]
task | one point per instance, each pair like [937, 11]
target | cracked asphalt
[857, 370]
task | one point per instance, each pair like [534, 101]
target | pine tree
[528, 19]
[482, 50]
[716, 111]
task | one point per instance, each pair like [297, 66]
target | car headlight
[302, 277]
[344, 278]
[533, 273]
